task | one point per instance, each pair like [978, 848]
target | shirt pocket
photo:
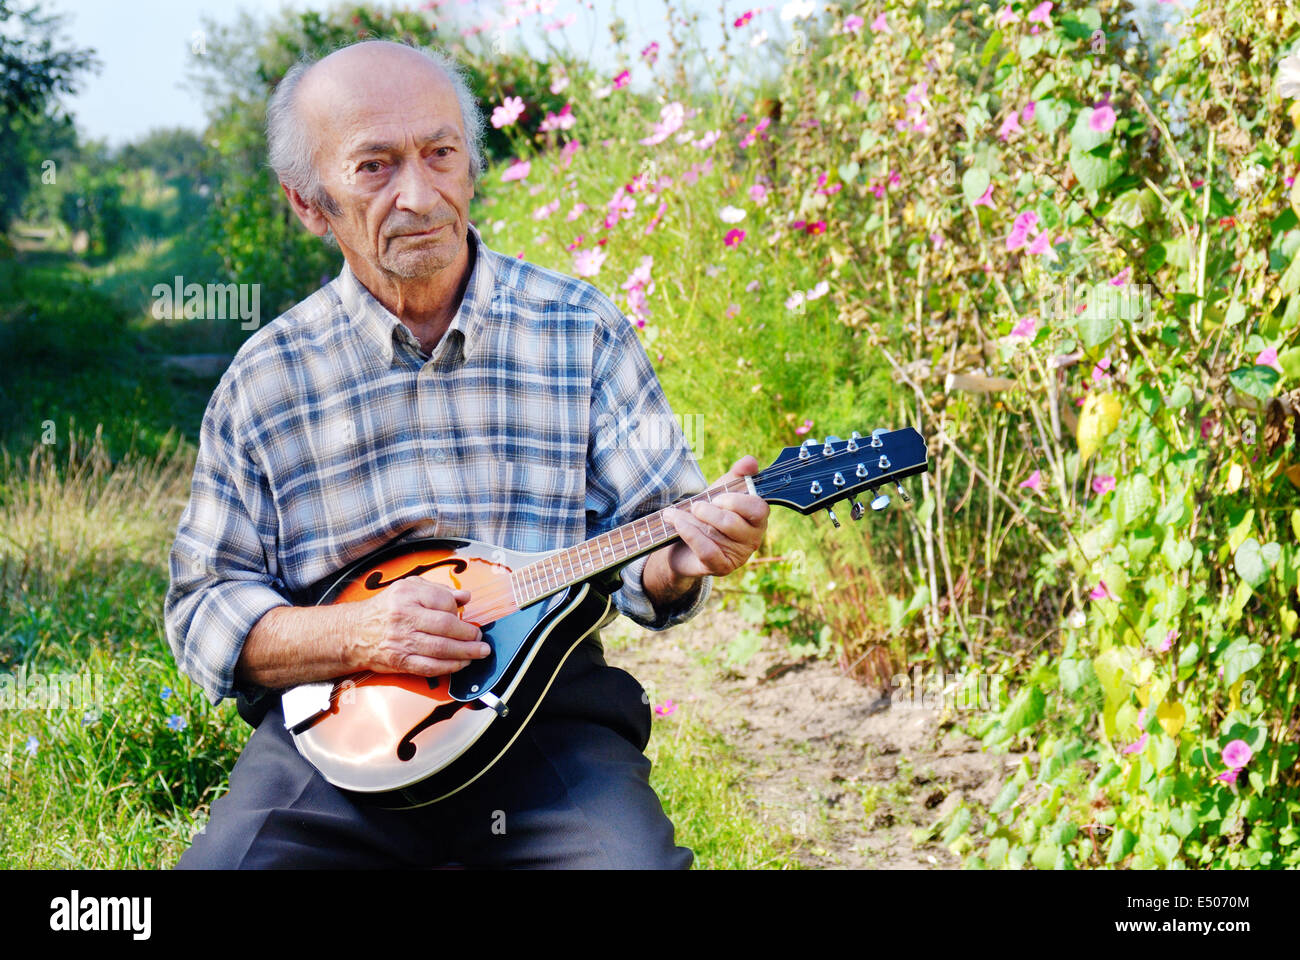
[539, 506]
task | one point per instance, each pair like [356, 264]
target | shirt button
[440, 455]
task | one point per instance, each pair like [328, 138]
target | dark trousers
[573, 791]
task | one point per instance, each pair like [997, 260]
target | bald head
[316, 100]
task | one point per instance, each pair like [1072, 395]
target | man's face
[392, 155]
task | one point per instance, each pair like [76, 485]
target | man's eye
[443, 152]
[371, 166]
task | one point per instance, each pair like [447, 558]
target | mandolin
[409, 741]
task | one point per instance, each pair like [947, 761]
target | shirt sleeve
[222, 579]
[638, 462]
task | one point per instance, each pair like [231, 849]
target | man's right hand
[411, 627]
[414, 626]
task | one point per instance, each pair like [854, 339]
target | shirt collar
[380, 326]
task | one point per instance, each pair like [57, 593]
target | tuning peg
[834, 519]
[857, 510]
[903, 493]
[880, 502]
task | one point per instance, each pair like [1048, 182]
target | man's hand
[414, 627]
[717, 537]
[411, 627]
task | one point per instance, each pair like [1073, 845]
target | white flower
[758, 39]
[1288, 77]
[731, 214]
[819, 291]
[795, 301]
[798, 10]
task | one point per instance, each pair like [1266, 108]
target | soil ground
[851, 772]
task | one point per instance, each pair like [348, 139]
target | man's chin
[418, 260]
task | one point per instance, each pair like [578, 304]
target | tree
[36, 67]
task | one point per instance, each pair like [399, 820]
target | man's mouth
[422, 233]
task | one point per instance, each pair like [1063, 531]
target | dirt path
[851, 773]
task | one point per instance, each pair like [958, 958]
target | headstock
[816, 474]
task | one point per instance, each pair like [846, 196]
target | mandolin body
[407, 741]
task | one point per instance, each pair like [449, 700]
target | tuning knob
[834, 519]
[857, 510]
[880, 502]
[903, 493]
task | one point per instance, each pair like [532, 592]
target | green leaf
[1046, 855]
[1049, 114]
[849, 172]
[1181, 397]
[973, 183]
[1183, 820]
[1045, 85]
[1096, 326]
[1250, 563]
[1094, 172]
[1122, 843]
[1289, 361]
[1166, 848]
[1025, 710]
[1256, 381]
[1177, 553]
[991, 47]
[1240, 658]
[1082, 137]
[1236, 313]
[1290, 281]
[1006, 796]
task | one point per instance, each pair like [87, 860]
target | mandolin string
[501, 596]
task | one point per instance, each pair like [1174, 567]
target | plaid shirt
[332, 434]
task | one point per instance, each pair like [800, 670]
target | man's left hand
[718, 536]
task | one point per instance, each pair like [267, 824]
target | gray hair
[291, 147]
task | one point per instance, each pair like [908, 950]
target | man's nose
[416, 188]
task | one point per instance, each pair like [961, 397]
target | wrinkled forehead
[378, 99]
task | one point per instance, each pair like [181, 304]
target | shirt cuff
[634, 603]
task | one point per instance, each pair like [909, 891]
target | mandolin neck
[609, 551]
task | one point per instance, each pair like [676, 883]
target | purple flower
[177, 722]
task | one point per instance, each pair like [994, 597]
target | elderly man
[434, 388]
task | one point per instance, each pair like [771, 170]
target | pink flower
[937, 240]
[815, 229]
[516, 171]
[578, 210]
[1101, 592]
[1027, 114]
[1267, 358]
[894, 178]
[1121, 278]
[640, 277]
[559, 84]
[1035, 481]
[1237, 754]
[671, 118]
[1010, 127]
[743, 19]
[1007, 15]
[1099, 370]
[558, 121]
[1041, 14]
[546, 209]
[1022, 229]
[880, 25]
[985, 199]
[651, 53]
[733, 238]
[654, 221]
[667, 708]
[624, 78]
[508, 112]
[1229, 776]
[807, 425]
[1040, 246]
[878, 189]
[1168, 641]
[1102, 119]
[1101, 485]
[758, 193]
[708, 140]
[853, 23]
[1209, 427]
[1025, 328]
[1141, 743]
[917, 93]
[587, 263]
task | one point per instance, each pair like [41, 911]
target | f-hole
[376, 579]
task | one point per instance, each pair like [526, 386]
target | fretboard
[610, 550]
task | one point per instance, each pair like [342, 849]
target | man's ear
[307, 212]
